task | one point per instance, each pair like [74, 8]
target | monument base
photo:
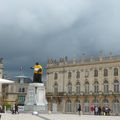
[38, 108]
[35, 99]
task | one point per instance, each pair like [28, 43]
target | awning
[5, 81]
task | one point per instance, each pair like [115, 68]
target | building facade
[16, 92]
[1, 76]
[88, 82]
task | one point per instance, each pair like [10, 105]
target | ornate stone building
[16, 92]
[1, 76]
[89, 82]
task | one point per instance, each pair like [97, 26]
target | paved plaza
[22, 116]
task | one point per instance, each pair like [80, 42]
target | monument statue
[37, 77]
[35, 98]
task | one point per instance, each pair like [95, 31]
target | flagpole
[21, 70]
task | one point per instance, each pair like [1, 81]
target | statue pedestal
[35, 99]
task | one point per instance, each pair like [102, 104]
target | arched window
[68, 106]
[86, 73]
[55, 76]
[115, 71]
[87, 87]
[69, 75]
[95, 102]
[106, 87]
[115, 101]
[86, 105]
[55, 88]
[105, 72]
[96, 87]
[69, 88]
[78, 88]
[116, 86]
[105, 102]
[95, 73]
[116, 106]
[23, 89]
[77, 74]
[20, 90]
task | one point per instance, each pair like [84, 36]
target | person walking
[79, 109]
[16, 109]
[99, 110]
[13, 109]
[96, 110]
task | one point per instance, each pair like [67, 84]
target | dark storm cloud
[36, 30]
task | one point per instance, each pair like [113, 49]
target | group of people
[14, 109]
[101, 111]
[97, 110]
[106, 110]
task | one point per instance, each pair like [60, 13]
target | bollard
[49, 112]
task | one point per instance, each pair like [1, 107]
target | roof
[22, 76]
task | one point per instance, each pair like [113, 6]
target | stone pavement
[26, 116]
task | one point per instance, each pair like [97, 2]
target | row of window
[87, 87]
[21, 99]
[21, 90]
[96, 73]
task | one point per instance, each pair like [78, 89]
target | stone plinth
[36, 99]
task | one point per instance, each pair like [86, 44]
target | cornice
[82, 64]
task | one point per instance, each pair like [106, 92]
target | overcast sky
[35, 30]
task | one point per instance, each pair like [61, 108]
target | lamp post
[51, 104]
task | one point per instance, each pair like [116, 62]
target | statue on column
[37, 77]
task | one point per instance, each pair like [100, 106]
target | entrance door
[68, 106]
[86, 107]
[54, 107]
[116, 107]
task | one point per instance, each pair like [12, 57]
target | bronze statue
[37, 77]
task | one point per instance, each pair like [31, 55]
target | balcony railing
[82, 93]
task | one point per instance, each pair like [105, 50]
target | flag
[21, 68]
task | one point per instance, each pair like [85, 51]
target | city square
[59, 58]
[28, 116]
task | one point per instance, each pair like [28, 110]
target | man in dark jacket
[79, 109]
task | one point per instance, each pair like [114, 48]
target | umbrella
[5, 81]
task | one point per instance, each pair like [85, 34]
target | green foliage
[8, 106]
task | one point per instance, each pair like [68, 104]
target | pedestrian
[99, 110]
[16, 109]
[13, 109]
[106, 110]
[79, 109]
[96, 110]
[109, 111]
[103, 110]
[92, 109]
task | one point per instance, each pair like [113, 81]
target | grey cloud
[36, 30]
